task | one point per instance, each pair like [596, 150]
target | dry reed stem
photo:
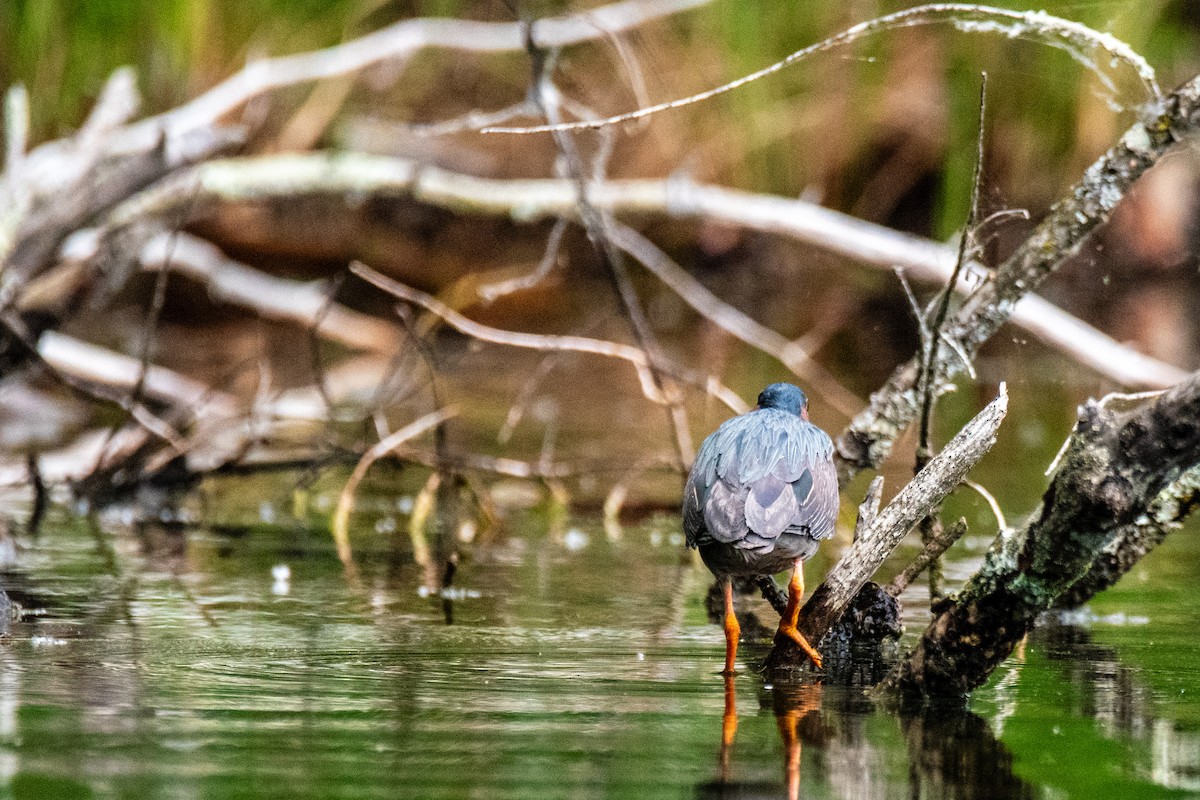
[384, 447]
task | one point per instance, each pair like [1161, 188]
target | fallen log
[1114, 474]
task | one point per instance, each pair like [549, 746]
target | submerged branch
[385, 446]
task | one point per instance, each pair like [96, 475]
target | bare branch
[733, 321]
[494, 291]
[1076, 39]
[99, 365]
[933, 550]
[118, 102]
[291, 176]
[16, 127]
[547, 99]
[533, 341]
[928, 381]
[399, 42]
[273, 298]
[928, 378]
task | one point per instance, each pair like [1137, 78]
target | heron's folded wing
[771, 506]
[725, 512]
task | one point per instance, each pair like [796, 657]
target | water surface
[158, 664]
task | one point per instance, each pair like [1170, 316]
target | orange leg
[787, 623]
[732, 629]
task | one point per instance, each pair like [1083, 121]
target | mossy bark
[1135, 540]
[1115, 471]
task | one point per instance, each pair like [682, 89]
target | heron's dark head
[784, 397]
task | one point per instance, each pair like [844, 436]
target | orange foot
[796, 636]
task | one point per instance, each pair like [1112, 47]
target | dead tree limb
[58, 187]
[868, 439]
[1137, 538]
[55, 189]
[886, 528]
[1118, 465]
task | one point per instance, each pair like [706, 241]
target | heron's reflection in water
[952, 753]
[798, 704]
[791, 706]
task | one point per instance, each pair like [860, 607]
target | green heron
[762, 495]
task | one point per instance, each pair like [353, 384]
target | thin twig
[315, 361]
[966, 17]
[928, 379]
[533, 341]
[495, 291]
[471, 121]
[990, 499]
[530, 387]
[595, 225]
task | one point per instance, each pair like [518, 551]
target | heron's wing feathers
[771, 506]
[694, 495]
[757, 476]
[818, 512]
[802, 486]
[725, 512]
